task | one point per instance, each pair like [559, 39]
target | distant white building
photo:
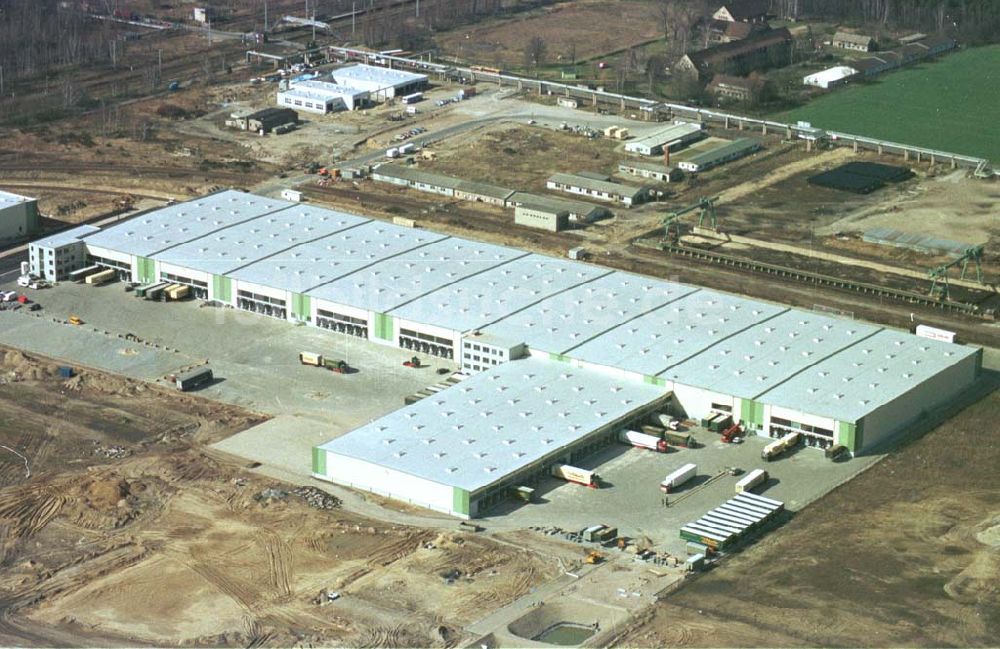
[381, 83]
[322, 97]
[831, 77]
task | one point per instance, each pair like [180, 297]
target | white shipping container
[678, 477]
[935, 334]
[751, 480]
[392, 153]
[642, 440]
[291, 195]
[574, 474]
[407, 148]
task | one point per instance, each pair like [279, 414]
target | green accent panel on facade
[319, 461]
[847, 435]
[146, 268]
[558, 357]
[752, 412]
[302, 306]
[653, 380]
[383, 326]
[460, 501]
[222, 288]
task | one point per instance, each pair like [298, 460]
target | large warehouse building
[655, 344]
[18, 216]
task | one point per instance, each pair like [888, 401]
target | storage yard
[494, 370]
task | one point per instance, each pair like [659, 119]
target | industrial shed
[603, 190]
[18, 216]
[322, 97]
[381, 83]
[671, 138]
[773, 368]
[579, 211]
[651, 170]
[721, 155]
[466, 448]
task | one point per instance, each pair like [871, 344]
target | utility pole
[354, 14]
[265, 16]
[418, 9]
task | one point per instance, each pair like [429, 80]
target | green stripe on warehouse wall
[847, 435]
[146, 269]
[301, 306]
[319, 461]
[558, 357]
[460, 501]
[222, 288]
[383, 326]
[752, 412]
[653, 380]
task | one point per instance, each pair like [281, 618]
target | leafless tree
[534, 52]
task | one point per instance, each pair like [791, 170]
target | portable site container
[776, 505]
[752, 506]
[739, 514]
[193, 379]
[695, 562]
[590, 532]
[721, 520]
[714, 540]
[716, 525]
[759, 501]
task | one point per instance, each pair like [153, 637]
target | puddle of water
[565, 634]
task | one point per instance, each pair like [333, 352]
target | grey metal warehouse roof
[377, 74]
[667, 336]
[225, 250]
[66, 236]
[573, 317]
[156, 231]
[407, 276]
[318, 262]
[416, 175]
[761, 357]
[8, 198]
[849, 385]
[484, 298]
[488, 426]
[665, 136]
[712, 155]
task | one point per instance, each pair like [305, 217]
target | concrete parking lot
[632, 502]
[254, 358]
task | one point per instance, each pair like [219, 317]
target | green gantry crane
[939, 275]
[671, 228]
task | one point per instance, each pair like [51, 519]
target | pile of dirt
[105, 501]
[104, 383]
[18, 366]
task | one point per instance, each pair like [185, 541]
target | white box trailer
[642, 440]
[751, 480]
[678, 477]
[577, 475]
[779, 446]
[934, 333]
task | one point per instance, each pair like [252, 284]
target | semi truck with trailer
[318, 360]
[178, 291]
[642, 440]
[678, 477]
[779, 446]
[82, 274]
[751, 480]
[193, 379]
[577, 475]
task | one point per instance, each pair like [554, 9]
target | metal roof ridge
[223, 228]
[543, 298]
[379, 260]
[460, 279]
[722, 340]
[625, 322]
[841, 350]
[297, 244]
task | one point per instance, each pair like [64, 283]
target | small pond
[565, 634]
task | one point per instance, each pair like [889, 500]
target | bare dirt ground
[566, 28]
[523, 157]
[906, 554]
[127, 531]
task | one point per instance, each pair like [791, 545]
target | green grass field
[951, 103]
